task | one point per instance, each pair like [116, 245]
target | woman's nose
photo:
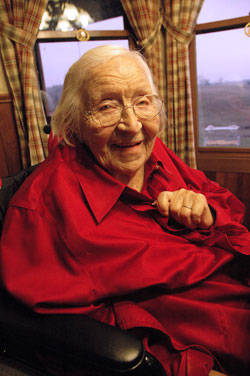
[129, 121]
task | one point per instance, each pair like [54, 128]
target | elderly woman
[115, 226]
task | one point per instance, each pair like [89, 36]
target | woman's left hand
[186, 207]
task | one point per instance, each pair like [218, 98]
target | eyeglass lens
[109, 112]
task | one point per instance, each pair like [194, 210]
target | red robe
[76, 240]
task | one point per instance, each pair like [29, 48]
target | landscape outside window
[223, 78]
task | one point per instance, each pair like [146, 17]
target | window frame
[216, 158]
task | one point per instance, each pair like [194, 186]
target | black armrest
[75, 336]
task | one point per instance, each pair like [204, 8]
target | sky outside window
[215, 10]
[223, 75]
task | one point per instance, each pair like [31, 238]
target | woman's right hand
[186, 207]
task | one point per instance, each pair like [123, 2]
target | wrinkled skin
[186, 207]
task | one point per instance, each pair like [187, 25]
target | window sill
[223, 160]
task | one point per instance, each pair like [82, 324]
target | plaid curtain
[146, 18]
[19, 25]
[164, 29]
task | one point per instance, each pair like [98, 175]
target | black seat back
[9, 186]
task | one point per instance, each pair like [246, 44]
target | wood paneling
[234, 160]
[10, 159]
[238, 184]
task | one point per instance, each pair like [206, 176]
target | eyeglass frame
[123, 107]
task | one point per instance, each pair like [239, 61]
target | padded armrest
[76, 336]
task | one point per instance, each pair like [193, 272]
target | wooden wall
[10, 159]
[238, 184]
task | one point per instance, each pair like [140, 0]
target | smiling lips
[126, 146]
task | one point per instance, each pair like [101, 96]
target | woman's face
[122, 149]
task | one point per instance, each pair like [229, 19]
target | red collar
[100, 189]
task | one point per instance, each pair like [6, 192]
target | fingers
[207, 219]
[186, 207]
[216, 373]
[163, 202]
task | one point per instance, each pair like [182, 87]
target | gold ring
[188, 207]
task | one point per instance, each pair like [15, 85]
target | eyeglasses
[109, 112]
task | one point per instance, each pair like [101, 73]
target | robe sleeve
[227, 231]
[38, 268]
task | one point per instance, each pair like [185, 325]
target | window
[57, 50]
[220, 75]
[223, 88]
[223, 76]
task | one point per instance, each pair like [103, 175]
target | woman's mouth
[127, 146]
